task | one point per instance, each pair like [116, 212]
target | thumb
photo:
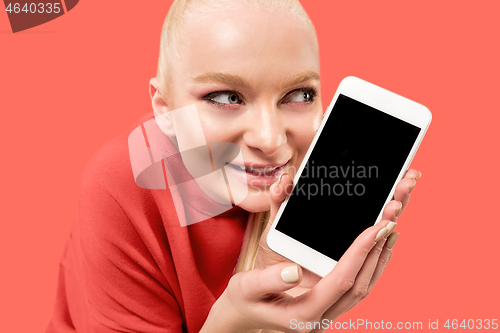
[277, 278]
[278, 193]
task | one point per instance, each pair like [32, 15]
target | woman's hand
[282, 188]
[279, 295]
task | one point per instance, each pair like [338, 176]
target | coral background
[72, 84]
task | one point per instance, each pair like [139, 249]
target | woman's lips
[257, 176]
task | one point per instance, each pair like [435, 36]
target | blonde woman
[251, 69]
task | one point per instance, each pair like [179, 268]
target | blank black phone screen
[348, 177]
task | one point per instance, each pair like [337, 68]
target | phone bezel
[380, 99]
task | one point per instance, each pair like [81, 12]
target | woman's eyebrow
[216, 77]
[299, 78]
[235, 80]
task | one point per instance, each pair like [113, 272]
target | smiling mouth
[267, 171]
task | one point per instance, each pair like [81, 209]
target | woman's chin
[256, 201]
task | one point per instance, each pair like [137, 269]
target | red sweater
[128, 265]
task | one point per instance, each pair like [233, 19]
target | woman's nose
[266, 130]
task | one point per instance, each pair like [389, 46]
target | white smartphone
[361, 150]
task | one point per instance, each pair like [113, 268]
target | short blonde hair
[181, 10]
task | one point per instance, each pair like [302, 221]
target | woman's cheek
[303, 140]
[218, 125]
[306, 135]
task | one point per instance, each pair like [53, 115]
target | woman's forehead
[248, 42]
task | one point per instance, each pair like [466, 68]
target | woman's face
[254, 79]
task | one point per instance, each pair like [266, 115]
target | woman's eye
[298, 96]
[224, 98]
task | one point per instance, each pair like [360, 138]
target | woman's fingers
[392, 210]
[255, 299]
[406, 186]
[257, 283]
[383, 261]
[412, 173]
[385, 256]
[259, 297]
[373, 266]
[368, 276]
[403, 190]
[362, 286]
[344, 276]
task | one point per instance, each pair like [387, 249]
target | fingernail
[399, 210]
[390, 226]
[392, 240]
[413, 186]
[381, 234]
[290, 274]
[279, 179]
[419, 175]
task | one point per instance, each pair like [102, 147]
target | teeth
[267, 169]
[261, 170]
